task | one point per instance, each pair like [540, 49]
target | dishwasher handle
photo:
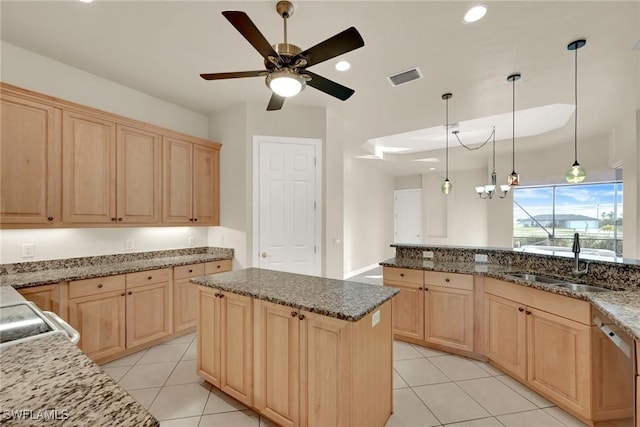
[74, 335]
[615, 338]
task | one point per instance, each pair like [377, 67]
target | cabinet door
[208, 335]
[177, 182]
[148, 313]
[46, 297]
[277, 368]
[100, 319]
[325, 371]
[185, 305]
[236, 346]
[559, 359]
[89, 169]
[506, 334]
[206, 185]
[139, 171]
[408, 310]
[31, 164]
[449, 317]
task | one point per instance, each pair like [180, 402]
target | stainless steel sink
[581, 288]
[536, 278]
[557, 282]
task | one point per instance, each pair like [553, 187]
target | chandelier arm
[479, 146]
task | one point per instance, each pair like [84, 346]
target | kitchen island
[300, 350]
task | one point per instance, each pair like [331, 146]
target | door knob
[263, 254]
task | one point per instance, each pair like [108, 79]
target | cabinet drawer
[99, 285]
[217, 266]
[187, 271]
[402, 275]
[449, 280]
[148, 277]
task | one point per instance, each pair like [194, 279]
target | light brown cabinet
[46, 297]
[148, 313]
[191, 183]
[433, 308]
[30, 162]
[225, 342]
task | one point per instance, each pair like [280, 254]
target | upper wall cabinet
[30, 162]
[64, 165]
[191, 183]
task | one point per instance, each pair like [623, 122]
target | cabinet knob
[520, 309]
[426, 289]
[301, 317]
[527, 312]
[218, 266]
[191, 219]
[119, 219]
[129, 293]
[447, 280]
[150, 277]
[122, 294]
[221, 295]
[263, 254]
[113, 219]
[195, 219]
[401, 274]
[420, 288]
[50, 219]
[294, 313]
[100, 286]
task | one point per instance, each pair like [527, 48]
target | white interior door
[288, 205]
[408, 216]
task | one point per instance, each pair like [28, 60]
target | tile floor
[431, 388]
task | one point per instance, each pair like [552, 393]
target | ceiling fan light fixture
[285, 82]
[475, 13]
[343, 66]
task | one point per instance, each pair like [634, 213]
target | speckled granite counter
[329, 297]
[65, 270]
[621, 305]
[51, 377]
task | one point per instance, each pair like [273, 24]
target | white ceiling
[161, 47]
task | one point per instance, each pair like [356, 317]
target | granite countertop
[55, 275]
[329, 297]
[51, 377]
[621, 305]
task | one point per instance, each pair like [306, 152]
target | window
[546, 217]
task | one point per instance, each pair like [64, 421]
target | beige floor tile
[147, 376]
[191, 352]
[403, 350]
[129, 360]
[235, 419]
[184, 373]
[220, 402]
[145, 396]
[536, 418]
[168, 352]
[398, 382]
[564, 417]
[180, 401]
[489, 368]
[525, 391]
[428, 352]
[264, 422]
[409, 411]
[116, 372]
[416, 372]
[459, 368]
[181, 422]
[482, 422]
[449, 403]
[495, 396]
[183, 339]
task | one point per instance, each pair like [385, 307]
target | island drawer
[188, 271]
[82, 288]
[450, 280]
[148, 277]
[214, 267]
[402, 275]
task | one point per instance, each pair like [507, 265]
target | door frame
[317, 144]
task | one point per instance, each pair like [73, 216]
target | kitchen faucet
[576, 250]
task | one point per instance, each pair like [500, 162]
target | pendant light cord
[447, 139]
[575, 121]
[513, 127]
[493, 134]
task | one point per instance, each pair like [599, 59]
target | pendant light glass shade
[447, 186]
[576, 173]
[514, 178]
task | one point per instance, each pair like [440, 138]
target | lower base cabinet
[308, 369]
[46, 297]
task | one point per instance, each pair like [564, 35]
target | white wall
[80, 242]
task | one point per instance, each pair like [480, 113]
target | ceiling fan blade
[237, 75]
[343, 42]
[248, 29]
[275, 103]
[330, 87]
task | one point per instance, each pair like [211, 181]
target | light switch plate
[128, 244]
[191, 241]
[427, 254]
[28, 250]
[482, 258]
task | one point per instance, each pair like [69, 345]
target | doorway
[407, 218]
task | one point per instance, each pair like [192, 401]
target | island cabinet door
[506, 334]
[408, 310]
[277, 362]
[449, 317]
[208, 335]
[325, 371]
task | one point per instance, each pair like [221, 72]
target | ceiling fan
[286, 64]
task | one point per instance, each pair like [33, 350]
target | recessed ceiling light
[475, 13]
[343, 66]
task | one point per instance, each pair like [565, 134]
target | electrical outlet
[427, 254]
[191, 241]
[129, 244]
[482, 258]
[28, 250]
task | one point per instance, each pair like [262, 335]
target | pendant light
[576, 173]
[446, 185]
[488, 191]
[514, 178]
